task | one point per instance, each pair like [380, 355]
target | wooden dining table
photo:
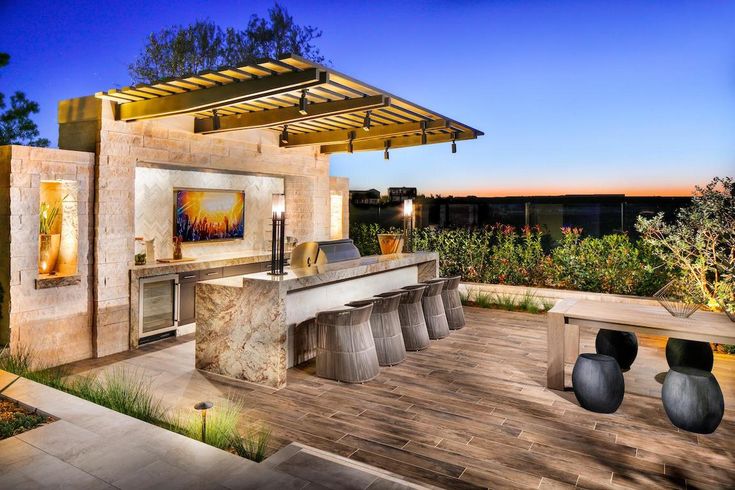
[567, 316]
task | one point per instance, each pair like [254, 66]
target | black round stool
[386, 326]
[693, 399]
[689, 353]
[598, 382]
[623, 346]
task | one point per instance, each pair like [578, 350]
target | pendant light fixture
[303, 103]
[366, 123]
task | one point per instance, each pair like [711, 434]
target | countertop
[204, 262]
[301, 278]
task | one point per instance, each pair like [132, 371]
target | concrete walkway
[93, 447]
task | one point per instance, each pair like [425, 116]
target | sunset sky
[573, 97]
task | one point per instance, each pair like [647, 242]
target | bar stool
[436, 319]
[411, 315]
[453, 303]
[386, 326]
[345, 346]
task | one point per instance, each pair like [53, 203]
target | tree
[180, 51]
[16, 126]
[701, 244]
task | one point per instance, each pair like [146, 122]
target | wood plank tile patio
[473, 411]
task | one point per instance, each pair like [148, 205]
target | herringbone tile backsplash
[154, 202]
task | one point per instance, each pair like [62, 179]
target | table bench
[565, 318]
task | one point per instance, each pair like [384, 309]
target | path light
[203, 407]
[408, 224]
[278, 235]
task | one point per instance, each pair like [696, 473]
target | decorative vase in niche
[177, 248]
[48, 252]
[390, 243]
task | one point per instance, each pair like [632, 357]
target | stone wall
[55, 322]
[88, 124]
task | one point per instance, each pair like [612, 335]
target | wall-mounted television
[206, 215]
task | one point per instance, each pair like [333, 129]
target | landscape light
[284, 134]
[408, 225]
[303, 103]
[203, 407]
[366, 123]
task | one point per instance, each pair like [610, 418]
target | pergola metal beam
[398, 142]
[359, 135]
[289, 115]
[221, 95]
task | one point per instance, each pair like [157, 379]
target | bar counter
[245, 324]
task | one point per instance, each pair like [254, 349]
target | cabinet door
[187, 303]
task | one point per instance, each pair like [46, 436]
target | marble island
[246, 324]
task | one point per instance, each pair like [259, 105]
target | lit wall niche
[58, 239]
[335, 216]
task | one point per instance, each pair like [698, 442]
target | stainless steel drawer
[208, 274]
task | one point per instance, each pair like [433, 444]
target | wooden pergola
[307, 103]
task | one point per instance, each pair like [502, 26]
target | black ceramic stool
[386, 327]
[453, 303]
[598, 383]
[436, 319]
[623, 346]
[689, 353]
[345, 346]
[411, 314]
[693, 400]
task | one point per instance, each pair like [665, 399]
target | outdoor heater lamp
[408, 224]
[278, 237]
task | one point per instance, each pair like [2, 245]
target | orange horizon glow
[502, 191]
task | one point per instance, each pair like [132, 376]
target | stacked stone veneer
[88, 124]
[55, 324]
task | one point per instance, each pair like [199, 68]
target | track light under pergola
[454, 142]
[303, 103]
[366, 123]
[386, 146]
[423, 132]
[215, 119]
[284, 134]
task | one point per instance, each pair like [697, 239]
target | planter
[390, 243]
[48, 252]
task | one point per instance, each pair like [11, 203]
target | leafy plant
[254, 444]
[700, 245]
[47, 216]
[14, 419]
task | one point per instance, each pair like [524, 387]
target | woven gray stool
[386, 326]
[345, 347]
[453, 303]
[411, 314]
[436, 319]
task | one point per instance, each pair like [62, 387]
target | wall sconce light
[278, 235]
[303, 103]
[454, 142]
[366, 123]
[408, 225]
[215, 119]
[284, 134]
[203, 407]
[386, 155]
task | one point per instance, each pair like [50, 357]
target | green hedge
[502, 254]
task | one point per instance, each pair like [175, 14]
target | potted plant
[48, 242]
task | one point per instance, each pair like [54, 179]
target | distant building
[370, 196]
[400, 194]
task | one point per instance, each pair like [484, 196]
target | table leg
[571, 343]
[555, 351]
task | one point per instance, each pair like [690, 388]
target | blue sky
[573, 97]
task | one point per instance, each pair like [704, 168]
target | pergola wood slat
[264, 119]
[220, 96]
